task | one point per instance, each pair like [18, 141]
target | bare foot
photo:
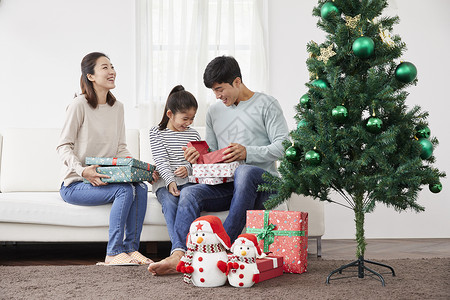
[166, 266]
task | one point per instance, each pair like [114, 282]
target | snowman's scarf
[187, 258]
[247, 260]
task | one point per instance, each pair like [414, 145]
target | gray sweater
[257, 123]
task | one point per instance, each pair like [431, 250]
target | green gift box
[122, 169]
[124, 174]
[119, 161]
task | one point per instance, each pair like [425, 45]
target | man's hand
[191, 154]
[181, 172]
[173, 189]
[235, 152]
[90, 173]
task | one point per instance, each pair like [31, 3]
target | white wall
[424, 27]
[42, 44]
[41, 47]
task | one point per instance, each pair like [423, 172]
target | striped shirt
[168, 154]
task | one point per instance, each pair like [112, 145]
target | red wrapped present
[269, 267]
[207, 157]
[284, 233]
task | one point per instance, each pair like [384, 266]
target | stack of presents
[283, 235]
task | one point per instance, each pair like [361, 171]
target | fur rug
[415, 279]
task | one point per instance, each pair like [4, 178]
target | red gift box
[269, 267]
[284, 233]
[207, 157]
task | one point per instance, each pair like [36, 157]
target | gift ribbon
[267, 233]
[274, 261]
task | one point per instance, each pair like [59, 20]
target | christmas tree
[355, 134]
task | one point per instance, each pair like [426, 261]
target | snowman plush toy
[242, 269]
[205, 262]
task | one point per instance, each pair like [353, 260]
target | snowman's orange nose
[199, 240]
[243, 253]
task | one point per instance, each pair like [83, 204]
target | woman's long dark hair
[179, 100]
[87, 88]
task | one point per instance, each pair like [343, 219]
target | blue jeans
[169, 205]
[129, 204]
[237, 197]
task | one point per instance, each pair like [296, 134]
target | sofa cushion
[49, 208]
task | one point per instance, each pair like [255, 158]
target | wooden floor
[26, 254]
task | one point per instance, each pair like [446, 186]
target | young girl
[95, 126]
[167, 141]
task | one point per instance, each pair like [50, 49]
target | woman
[94, 126]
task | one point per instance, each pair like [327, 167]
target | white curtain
[176, 39]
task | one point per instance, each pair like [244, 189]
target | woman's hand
[155, 176]
[90, 174]
[181, 172]
[235, 152]
[191, 154]
[173, 189]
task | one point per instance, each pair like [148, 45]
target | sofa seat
[48, 208]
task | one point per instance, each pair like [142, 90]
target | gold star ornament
[352, 22]
[326, 53]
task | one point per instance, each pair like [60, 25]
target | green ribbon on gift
[267, 233]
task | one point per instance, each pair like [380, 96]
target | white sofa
[31, 209]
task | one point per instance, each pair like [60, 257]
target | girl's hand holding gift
[191, 154]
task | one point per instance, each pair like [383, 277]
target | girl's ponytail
[179, 100]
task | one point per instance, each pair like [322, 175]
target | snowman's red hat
[247, 239]
[211, 224]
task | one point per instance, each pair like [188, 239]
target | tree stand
[361, 267]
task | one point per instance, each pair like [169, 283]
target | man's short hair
[221, 69]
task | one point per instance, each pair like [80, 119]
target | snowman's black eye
[203, 234]
[196, 234]
[248, 248]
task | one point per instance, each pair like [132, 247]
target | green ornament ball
[423, 132]
[374, 125]
[363, 47]
[339, 113]
[327, 9]
[313, 158]
[305, 101]
[406, 72]
[302, 123]
[293, 153]
[320, 83]
[427, 148]
[435, 188]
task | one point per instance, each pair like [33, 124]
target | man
[253, 127]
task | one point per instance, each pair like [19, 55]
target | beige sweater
[87, 132]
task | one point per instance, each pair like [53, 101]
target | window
[176, 39]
